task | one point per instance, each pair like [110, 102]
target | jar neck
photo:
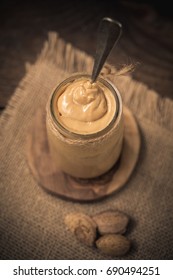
[73, 135]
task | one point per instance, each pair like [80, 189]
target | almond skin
[83, 227]
[115, 245]
[111, 221]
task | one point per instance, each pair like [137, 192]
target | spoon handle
[109, 33]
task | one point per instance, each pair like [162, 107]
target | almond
[115, 245]
[83, 227]
[111, 221]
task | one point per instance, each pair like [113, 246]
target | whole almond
[111, 221]
[114, 245]
[83, 227]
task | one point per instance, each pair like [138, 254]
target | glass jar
[84, 155]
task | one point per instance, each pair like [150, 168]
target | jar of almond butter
[85, 126]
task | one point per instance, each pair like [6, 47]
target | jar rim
[75, 135]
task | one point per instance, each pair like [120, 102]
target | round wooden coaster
[65, 186]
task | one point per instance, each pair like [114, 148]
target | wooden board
[65, 186]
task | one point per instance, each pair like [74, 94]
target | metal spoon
[109, 33]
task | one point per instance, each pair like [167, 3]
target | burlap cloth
[31, 221]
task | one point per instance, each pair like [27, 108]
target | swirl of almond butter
[85, 107]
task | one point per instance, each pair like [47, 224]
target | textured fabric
[32, 221]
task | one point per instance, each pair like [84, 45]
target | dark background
[147, 36]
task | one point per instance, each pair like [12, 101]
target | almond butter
[115, 245]
[111, 221]
[83, 227]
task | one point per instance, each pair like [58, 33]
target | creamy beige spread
[84, 107]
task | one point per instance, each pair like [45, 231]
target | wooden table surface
[147, 39]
